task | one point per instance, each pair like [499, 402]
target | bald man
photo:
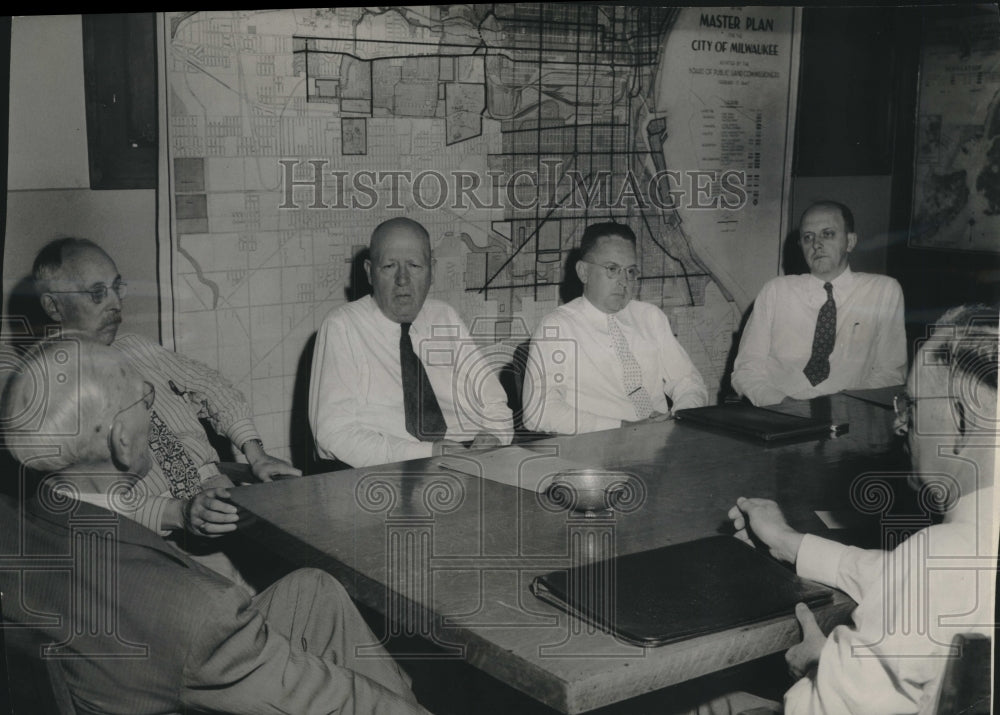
[157, 632]
[395, 375]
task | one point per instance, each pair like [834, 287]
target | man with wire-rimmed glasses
[604, 359]
[79, 287]
[121, 621]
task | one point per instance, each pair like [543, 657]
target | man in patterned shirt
[79, 286]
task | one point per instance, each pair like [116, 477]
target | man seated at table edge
[196, 639]
[789, 350]
[359, 411]
[79, 287]
[948, 415]
[582, 349]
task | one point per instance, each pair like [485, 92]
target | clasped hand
[209, 514]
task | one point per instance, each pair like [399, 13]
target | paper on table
[516, 466]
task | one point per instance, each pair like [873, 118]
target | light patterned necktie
[818, 367]
[176, 463]
[631, 372]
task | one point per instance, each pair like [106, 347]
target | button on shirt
[356, 390]
[870, 346]
[574, 384]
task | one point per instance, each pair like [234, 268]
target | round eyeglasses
[613, 271]
[99, 292]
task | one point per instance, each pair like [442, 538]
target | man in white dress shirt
[394, 375]
[914, 599]
[827, 331]
[604, 360]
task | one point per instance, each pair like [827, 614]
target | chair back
[965, 687]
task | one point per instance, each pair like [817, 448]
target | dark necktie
[177, 465]
[818, 367]
[424, 419]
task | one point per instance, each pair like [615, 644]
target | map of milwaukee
[504, 129]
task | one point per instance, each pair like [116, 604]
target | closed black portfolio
[760, 422]
[680, 591]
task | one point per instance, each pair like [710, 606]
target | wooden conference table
[450, 557]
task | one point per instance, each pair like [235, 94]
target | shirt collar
[597, 316]
[383, 323]
[842, 282]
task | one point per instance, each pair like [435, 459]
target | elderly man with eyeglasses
[124, 621]
[604, 360]
[79, 287]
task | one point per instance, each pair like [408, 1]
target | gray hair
[59, 404]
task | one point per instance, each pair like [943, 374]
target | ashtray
[593, 491]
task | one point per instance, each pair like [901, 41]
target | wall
[48, 178]
[869, 198]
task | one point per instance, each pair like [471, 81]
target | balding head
[79, 286]
[76, 403]
[400, 268]
[827, 237]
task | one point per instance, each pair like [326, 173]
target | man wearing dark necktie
[826, 331]
[605, 358]
[395, 374]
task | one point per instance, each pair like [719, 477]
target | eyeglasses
[613, 271]
[99, 293]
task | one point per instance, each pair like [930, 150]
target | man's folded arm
[224, 405]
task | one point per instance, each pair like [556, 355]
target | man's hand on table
[446, 446]
[655, 417]
[762, 518]
[265, 467]
[804, 657]
[206, 514]
[485, 440]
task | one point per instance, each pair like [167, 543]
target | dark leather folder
[680, 591]
[759, 422]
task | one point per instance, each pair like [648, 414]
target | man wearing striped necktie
[80, 288]
[605, 359]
